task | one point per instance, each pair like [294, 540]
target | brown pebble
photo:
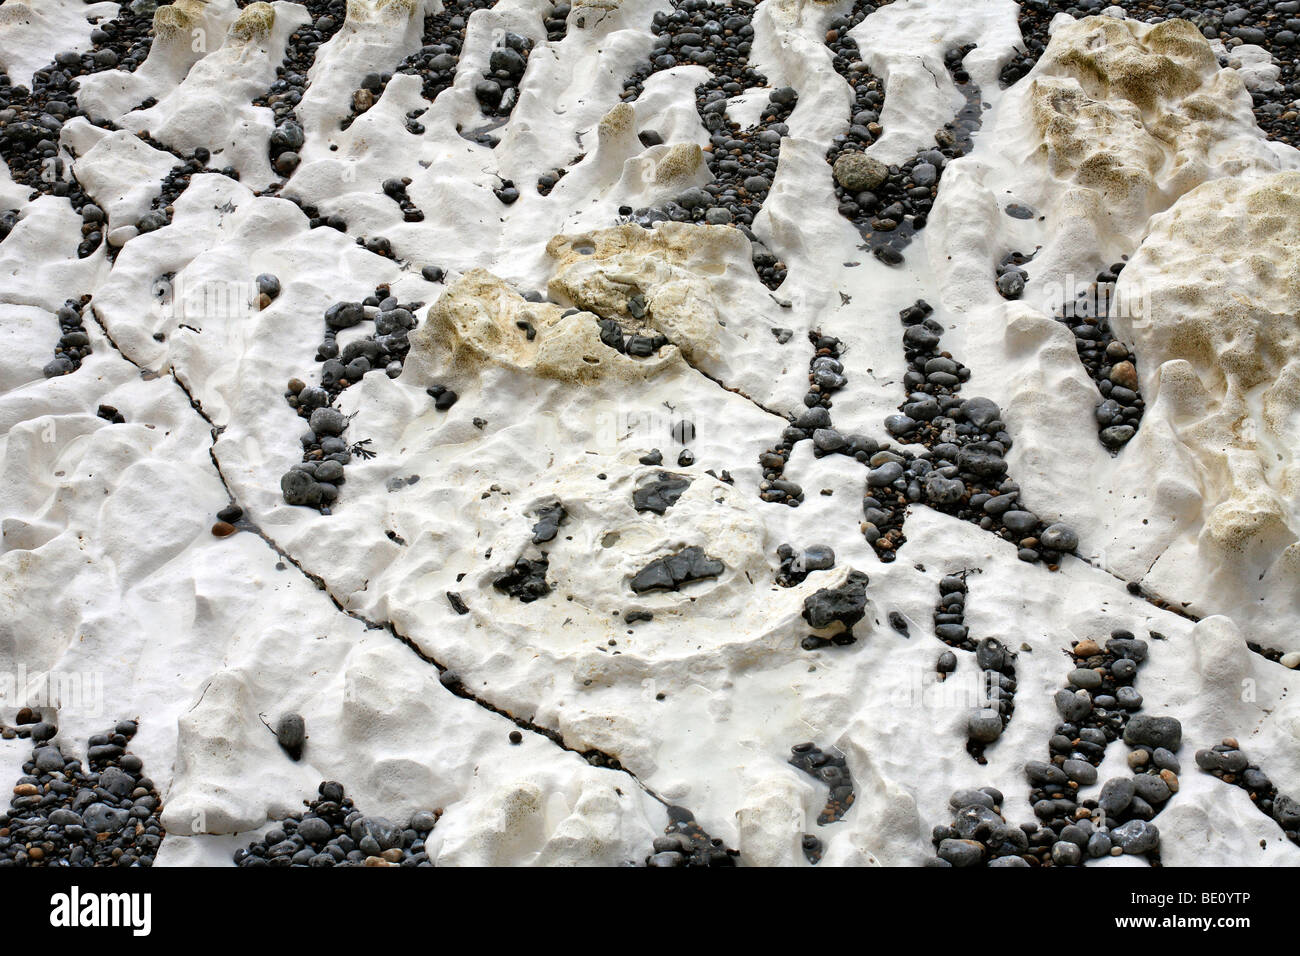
[263, 300]
[393, 855]
[26, 716]
[26, 790]
[1171, 780]
[1087, 648]
[36, 853]
[1124, 375]
[296, 385]
[223, 529]
[377, 861]
[1231, 742]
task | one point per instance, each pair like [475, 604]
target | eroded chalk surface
[628, 432]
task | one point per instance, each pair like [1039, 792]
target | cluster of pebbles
[950, 620]
[435, 62]
[963, 470]
[314, 481]
[395, 189]
[686, 843]
[832, 770]
[890, 204]
[640, 340]
[684, 433]
[74, 343]
[825, 377]
[176, 182]
[743, 162]
[796, 564]
[1275, 654]
[526, 580]
[548, 180]
[1271, 24]
[1011, 272]
[868, 92]
[314, 219]
[998, 680]
[1097, 708]
[997, 664]
[32, 119]
[556, 22]
[1111, 364]
[1230, 764]
[333, 832]
[102, 811]
[833, 612]
[286, 92]
[498, 91]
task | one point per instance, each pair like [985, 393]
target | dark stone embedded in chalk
[526, 580]
[660, 494]
[548, 523]
[671, 571]
[291, 734]
[846, 604]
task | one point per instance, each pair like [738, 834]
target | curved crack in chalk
[733, 389]
[449, 678]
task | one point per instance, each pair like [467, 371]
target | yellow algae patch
[254, 23]
[481, 321]
[1216, 288]
[177, 18]
[671, 274]
[1117, 104]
